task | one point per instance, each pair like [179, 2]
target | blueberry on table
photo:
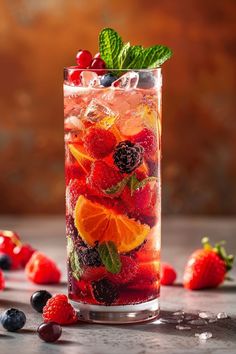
[49, 332]
[39, 299]
[13, 319]
[146, 80]
[107, 79]
[5, 261]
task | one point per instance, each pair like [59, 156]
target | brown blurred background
[38, 38]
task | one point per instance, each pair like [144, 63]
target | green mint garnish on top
[119, 55]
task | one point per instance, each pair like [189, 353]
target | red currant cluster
[85, 60]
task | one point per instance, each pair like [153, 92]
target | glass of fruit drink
[113, 189]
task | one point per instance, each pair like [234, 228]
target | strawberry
[99, 142]
[168, 274]
[206, 267]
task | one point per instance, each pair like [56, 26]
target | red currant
[98, 63]
[97, 55]
[49, 332]
[73, 74]
[83, 59]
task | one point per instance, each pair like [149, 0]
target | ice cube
[207, 315]
[89, 79]
[203, 336]
[183, 328]
[96, 111]
[127, 81]
[222, 315]
[170, 320]
[198, 322]
[73, 123]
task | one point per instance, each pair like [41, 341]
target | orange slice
[96, 223]
[83, 160]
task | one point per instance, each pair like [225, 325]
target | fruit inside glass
[113, 194]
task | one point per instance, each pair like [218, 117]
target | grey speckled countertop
[179, 237]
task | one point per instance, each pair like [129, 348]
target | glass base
[118, 314]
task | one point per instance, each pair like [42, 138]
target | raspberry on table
[168, 274]
[99, 142]
[13, 319]
[42, 270]
[128, 156]
[147, 139]
[59, 310]
[103, 176]
[2, 280]
[24, 253]
[104, 291]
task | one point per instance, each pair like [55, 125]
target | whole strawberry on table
[207, 267]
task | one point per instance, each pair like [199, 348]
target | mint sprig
[110, 257]
[117, 188]
[118, 55]
[73, 259]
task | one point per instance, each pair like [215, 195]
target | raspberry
[104, 291]
[147, 139]
[128, 156]
[8, 241]
[72, 171]
[99, 142]
[24, 253]
[103, 176]
[42, 270]
[59, 310]
[89, 256]
[2, 281]
[146, 276]
[128, 271]
[168, 274]
[73, 191]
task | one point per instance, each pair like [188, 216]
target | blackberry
[128, 156]
[89, 256]
[104, 291]
[71, 231]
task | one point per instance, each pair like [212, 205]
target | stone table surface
[179, 237]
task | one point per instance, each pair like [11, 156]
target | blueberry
[39, 299]
[13, 319]
[107, 79]
[146, 80]
[5, 262]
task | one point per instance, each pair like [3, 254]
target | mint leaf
[135, 184]
[123, 56]
[136, 57]
[73, 259]
[117, 188]
[155, 56]
[110, 45]
[110, 256]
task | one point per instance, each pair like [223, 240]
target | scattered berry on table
[23, 253]
[42, 270]
[207, 267]
[103, 177]
[8, 241]
[13, 319]
[129, 268]
[104, 291]
[128, 156]
[97, 65]
[2, 280]
[168, 274]
[49, 332]
[73, 75]
[107, 79]
[59, 310]
[5, 261]
[89, 256]
[147, 139]
[83, 59]
[39, 299]
[146, 80]
[99, 142]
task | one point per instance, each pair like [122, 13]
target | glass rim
[67, 68]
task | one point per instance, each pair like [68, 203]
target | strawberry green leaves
[118, 55]
[110, 257]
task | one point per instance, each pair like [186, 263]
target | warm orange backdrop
[38, 38]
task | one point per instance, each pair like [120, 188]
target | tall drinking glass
[113, 194]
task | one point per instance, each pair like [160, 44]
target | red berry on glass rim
[97, 65]
[73, 75]
[97, 55]
[83, 59]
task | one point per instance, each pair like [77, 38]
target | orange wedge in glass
[96, 223]
[81, 157]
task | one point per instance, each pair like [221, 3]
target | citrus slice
[96, 223]
[83, 160]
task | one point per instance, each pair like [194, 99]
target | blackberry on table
[104, 291]
[128, 156]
